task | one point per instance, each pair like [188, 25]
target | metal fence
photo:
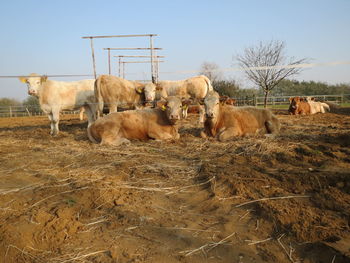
[34, 110]
[284, 100]
[21, 111]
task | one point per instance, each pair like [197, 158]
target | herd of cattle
[157, 108]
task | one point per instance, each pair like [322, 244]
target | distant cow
[157, 123]
[55, 96]
[225, 122]
[114, 92]
[195, 88]
[299, 106]
[316, 106]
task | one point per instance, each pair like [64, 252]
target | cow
[224, 100]
[299, 106]
[316, 106]
[114, 92]
[226, 122]
[55, 96]
[227, 100]
[150, 123]
[195, 88]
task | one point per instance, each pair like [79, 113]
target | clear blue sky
[45, 36]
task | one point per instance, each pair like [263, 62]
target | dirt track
[64, 199]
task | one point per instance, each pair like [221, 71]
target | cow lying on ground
[195, 88]
[114, 92]
[55, 96]
[316, 106]
[309, 106]
[225, 122]
[299, 106]
[157, 123]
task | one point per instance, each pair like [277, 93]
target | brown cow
[225, 122]
[298, 106]
[115, 91]
[157, 123]
[227, 100]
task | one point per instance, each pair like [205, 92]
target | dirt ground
[255, 199]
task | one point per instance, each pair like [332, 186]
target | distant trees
[5, 102]
[304, 88]
[265, 63]
[211, 70]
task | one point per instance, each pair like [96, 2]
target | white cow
[196, 88]
[55, 96]
[316, 106]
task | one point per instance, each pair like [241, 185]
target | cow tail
[209, 86]
[98, 96]
[91, 138]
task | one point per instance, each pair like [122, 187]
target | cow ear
[43, 79]
[162, 104]
[223, 100]
[23, 79]
[140, 90]
[159, 88]
[290, 99]
[186, 102]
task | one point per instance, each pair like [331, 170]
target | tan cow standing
[195, 88]
[114, 92]
[157, 123]
[55, 96]
[226, 122]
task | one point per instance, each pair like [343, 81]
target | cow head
[150, 91]
[212, 105]
[34, 82]
[172, 106]
[294, 104]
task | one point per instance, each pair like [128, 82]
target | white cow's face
[34, 84]
[212, 106]
[150, 92]
[173, 108]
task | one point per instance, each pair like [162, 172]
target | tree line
[285, 88]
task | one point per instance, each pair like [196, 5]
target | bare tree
[266, 65]
[211, 70]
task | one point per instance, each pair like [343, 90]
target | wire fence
[35, 110]
[28, 110]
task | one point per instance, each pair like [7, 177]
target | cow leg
[184, 112]
[81, 113]
[51, 123]
[163, 136]
[114, 141]
[90, 114]
[271, 127]
[113, 107]
[201, 113]
[54, 117]
[229, 134]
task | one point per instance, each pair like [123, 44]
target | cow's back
[113, 89]
[66, 95]
[198, 87]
